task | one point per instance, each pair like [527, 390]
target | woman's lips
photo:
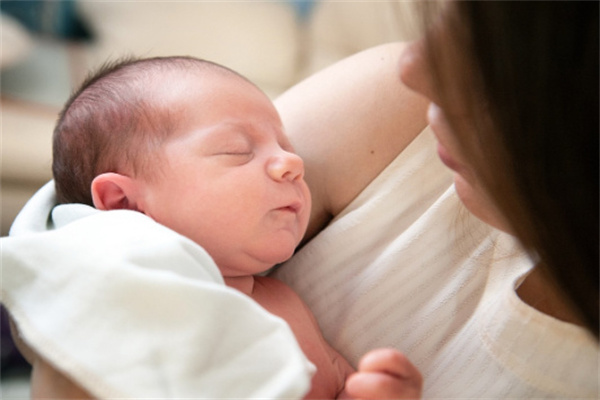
[440, 127]
[446, 158]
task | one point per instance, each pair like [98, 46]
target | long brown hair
[533, 79]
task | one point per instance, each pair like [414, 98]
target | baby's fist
[385, 374]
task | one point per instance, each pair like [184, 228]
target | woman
[513, 103]
[527, 128]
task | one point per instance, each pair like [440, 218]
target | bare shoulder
[280, 299]
[267, 289]
[348, 122]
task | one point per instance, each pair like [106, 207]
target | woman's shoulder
[348, 122]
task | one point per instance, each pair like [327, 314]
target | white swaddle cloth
[130, 309]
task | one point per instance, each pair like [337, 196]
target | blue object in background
[303, 7]
[48, 17]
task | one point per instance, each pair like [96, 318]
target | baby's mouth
[293, 207]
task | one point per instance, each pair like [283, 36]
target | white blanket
[131, 309]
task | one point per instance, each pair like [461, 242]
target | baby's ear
[112, 191]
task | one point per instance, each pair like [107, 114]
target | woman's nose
[285, 166]
[415, 70]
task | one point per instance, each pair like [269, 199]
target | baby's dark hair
[112, 123]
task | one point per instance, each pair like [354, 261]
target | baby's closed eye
[237, 156]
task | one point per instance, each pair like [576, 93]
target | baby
[201, 150]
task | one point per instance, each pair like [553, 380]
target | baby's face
[229, 178]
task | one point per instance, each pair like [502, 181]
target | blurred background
[48, 47]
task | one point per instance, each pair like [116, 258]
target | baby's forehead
[174, 85]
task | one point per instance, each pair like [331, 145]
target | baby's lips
[294, 207]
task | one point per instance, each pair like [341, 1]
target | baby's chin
[259, 263]
[279, 257]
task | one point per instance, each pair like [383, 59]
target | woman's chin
[479, 204]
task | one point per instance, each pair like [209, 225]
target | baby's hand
[385, 374]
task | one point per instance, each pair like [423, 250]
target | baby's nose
[286, 166]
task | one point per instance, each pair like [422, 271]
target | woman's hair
[114, 123]
[531, 81]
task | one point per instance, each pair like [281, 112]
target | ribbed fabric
[405, 265]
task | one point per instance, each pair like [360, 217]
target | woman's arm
[349, 122]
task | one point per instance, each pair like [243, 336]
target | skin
[233, 170]
[360, 116]
[348, 122]
[343, 151]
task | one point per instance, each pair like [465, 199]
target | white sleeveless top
[405, 265]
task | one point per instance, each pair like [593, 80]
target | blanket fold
[130, 309]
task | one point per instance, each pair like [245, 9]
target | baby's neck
[244, 284]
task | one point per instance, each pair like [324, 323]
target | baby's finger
[380, 386]
[392, 362]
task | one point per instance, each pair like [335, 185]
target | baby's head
[193, 145]
[117, 119]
